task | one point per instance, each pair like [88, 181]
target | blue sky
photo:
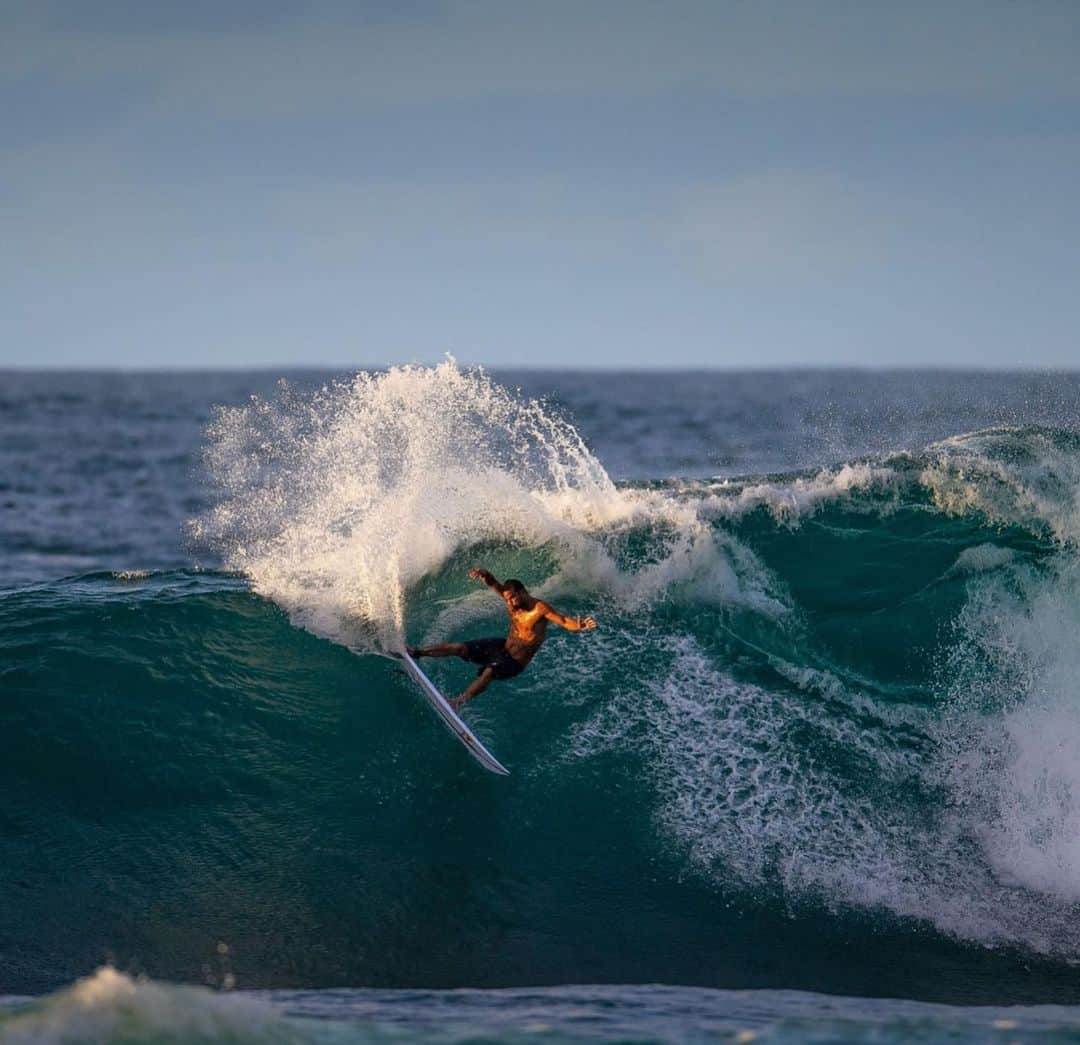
[540, 184]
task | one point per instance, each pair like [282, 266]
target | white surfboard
[451, 718]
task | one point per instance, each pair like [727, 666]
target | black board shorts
[491, 653]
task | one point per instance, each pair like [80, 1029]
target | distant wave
[110, 1007]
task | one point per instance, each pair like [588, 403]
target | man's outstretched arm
[479, 574]
[569, 623]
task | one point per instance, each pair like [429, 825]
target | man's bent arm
[479, 574]
[569, 623]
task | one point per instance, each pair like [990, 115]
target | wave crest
[335, 503]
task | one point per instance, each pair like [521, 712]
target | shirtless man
[504, 658]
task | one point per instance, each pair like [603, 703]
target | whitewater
[826, 737]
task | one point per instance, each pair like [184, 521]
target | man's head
[517, 595]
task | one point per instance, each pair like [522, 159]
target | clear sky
[584, 183]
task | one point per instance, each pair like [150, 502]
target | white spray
[334, 503]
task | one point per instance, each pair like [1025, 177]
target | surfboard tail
[450, 718]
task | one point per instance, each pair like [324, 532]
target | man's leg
[476, 687]
[442, 649]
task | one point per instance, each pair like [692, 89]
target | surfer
[500, 658]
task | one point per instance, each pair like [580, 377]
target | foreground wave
[826, 735]
[110, 1007]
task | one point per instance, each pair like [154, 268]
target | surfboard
[451, 719]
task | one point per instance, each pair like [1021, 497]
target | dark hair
[514, 585]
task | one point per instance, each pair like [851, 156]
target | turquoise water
[825, 739]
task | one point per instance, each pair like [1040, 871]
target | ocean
[815, 776]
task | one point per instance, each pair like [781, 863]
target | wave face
[825, 737]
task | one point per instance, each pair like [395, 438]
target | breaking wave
[850, 692]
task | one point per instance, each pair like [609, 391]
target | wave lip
[335, 504]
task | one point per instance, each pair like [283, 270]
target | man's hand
[478, 573]
[569, 623]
